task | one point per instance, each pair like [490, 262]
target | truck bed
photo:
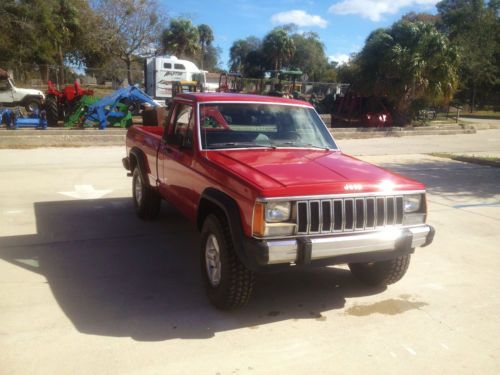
[146, 138]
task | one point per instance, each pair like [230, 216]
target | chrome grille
[348, 214]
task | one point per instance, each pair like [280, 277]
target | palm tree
[279, 47]
[181, 38]
[240, 50]
[206, 36]
[408, 62]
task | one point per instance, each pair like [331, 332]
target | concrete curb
[485, 126]
[360, 133]
[30, 138]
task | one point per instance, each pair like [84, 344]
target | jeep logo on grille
[353, 187]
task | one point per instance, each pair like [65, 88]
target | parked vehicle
[61, 104]
[179, 87]
[161, 71]
[354, 110]
[284, 84]
[115, 109]
[230, 82]
[12, 96]
[268, 187]
[14, 119]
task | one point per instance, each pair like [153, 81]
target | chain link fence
[107, 79]
[103, 81]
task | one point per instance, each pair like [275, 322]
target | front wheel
[33, 104]
[381, 273]
[228, 282]
[147, 202]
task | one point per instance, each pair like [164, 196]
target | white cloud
[298, 17]
[375, 9]
[341, 58]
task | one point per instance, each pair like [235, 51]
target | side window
[179, 66]
[183, 126]
[167, 65]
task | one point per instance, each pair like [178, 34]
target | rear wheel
[228, 282]
[381, 273]
[52, 110]
[33, 104]
[147, 202]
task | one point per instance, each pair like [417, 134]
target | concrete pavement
[86, 287]
[482, 141]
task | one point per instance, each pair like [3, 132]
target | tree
[63, 27]
[211, 58]
[310, 56]
[255, 64]
[44, 32]
[474, 27]
[206, 36]
[240, 50]
[408, 62]
[279, 47]
[181, 38]
[304, 51]
[422, 17]
[132, 28]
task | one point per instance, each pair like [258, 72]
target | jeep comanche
[268, 187]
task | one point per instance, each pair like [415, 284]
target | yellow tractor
[180, 87]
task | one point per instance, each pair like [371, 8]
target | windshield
[244, 125]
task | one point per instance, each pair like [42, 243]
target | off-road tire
[147, 202]
[52, 110]
[32, 104]
[236, 281]
[381, 273]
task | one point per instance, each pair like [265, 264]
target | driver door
[176, 157]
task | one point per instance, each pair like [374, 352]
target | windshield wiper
[236, 144]
[296, 144]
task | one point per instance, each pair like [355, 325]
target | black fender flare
[27, 98]
[138, 159]
[231, 210]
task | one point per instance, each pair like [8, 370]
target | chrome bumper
[288, 251]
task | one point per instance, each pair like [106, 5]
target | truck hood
[20, 93]
[308, 172]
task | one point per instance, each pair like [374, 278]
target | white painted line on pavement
[434, 286]
[14, 212]
[410, 350]
[86, 192]
[444, 346]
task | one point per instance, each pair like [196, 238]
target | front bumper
[342, 248]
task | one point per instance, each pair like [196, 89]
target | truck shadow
[115, 275]
[451, 178]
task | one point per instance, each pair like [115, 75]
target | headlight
[277, 212]
[272, 219]
[412, 202]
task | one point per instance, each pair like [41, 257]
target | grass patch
[490, 161]
[488, 115]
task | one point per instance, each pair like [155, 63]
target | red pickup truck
[268, 187]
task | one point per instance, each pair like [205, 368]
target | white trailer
[161, 71]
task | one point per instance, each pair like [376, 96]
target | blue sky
[342, 25]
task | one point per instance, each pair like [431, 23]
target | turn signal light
[258, 224]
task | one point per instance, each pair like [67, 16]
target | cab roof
[231, 97]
